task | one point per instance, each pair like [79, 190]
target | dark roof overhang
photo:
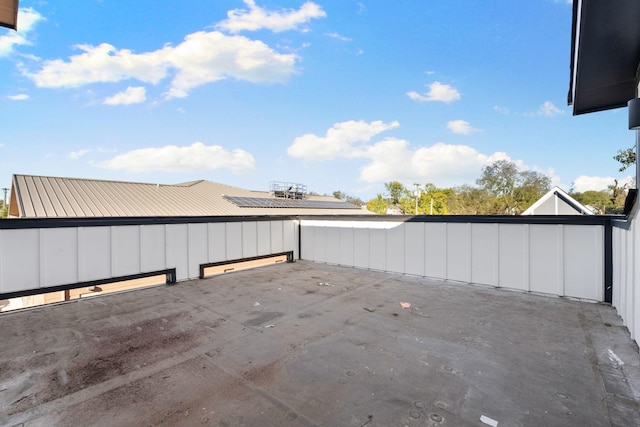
[605, 52]
[9, 14]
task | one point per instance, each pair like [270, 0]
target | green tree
[395, 190]
[618, 194]
[434, 200]
[499, 179]
[349, 199]
[532, 186]
[626, 158]
[468, 200]
[512, 191]
[339, 195]
[378, 205]
[600, 200]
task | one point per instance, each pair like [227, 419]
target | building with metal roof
[57, 197]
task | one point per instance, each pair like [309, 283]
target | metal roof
[276, 202]
[605, 53]
[56, 197]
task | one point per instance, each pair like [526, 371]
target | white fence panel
[277, 236]
[217, 241]
[178, 249]
[249, 239]
[459, 252]
[626, 259]
[484, 254]
[197, 251]
[332, 253]
[361, 247]
[513, 253]
[545, 259]
[583, 279]
[347, 244]
[414, 247]
[125, 250]
[632, 281]
[234, 240]
[378, 249]
[60, 266]
[435, 251]
[152, 247]
[308, 243]
[395, 250]
[20, 259]
[320, 244]
[94, 253]
[291, 238]
[264, 238]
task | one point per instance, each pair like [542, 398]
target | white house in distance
[557, 202]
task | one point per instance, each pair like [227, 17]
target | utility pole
[417, 194]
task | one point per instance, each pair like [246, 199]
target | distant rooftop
[59, 197]
[557, 202]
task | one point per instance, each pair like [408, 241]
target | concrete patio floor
[304, 344]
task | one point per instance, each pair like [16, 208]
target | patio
[305, 344]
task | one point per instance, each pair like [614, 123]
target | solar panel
[264, 202]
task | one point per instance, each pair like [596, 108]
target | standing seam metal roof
[56, 197]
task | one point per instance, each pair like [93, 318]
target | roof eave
[605, 51]
[9, 14]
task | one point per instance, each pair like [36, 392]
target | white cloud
[437, 92]
[503, 110]
[194, 158]
[74, 155]
[598, 183]
[338, 37]
[549, 110]
[18, 97]
[101, 64]
[206, 57]
[343, 139]
[393, 158]
[202, 57]
[27, 19]
[443, 164]
[257, 18]
[460, 127]
[77, 154]
[132, 95]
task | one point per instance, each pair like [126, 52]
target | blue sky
[337, 95]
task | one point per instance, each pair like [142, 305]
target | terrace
[507, 322]
[510, 320]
